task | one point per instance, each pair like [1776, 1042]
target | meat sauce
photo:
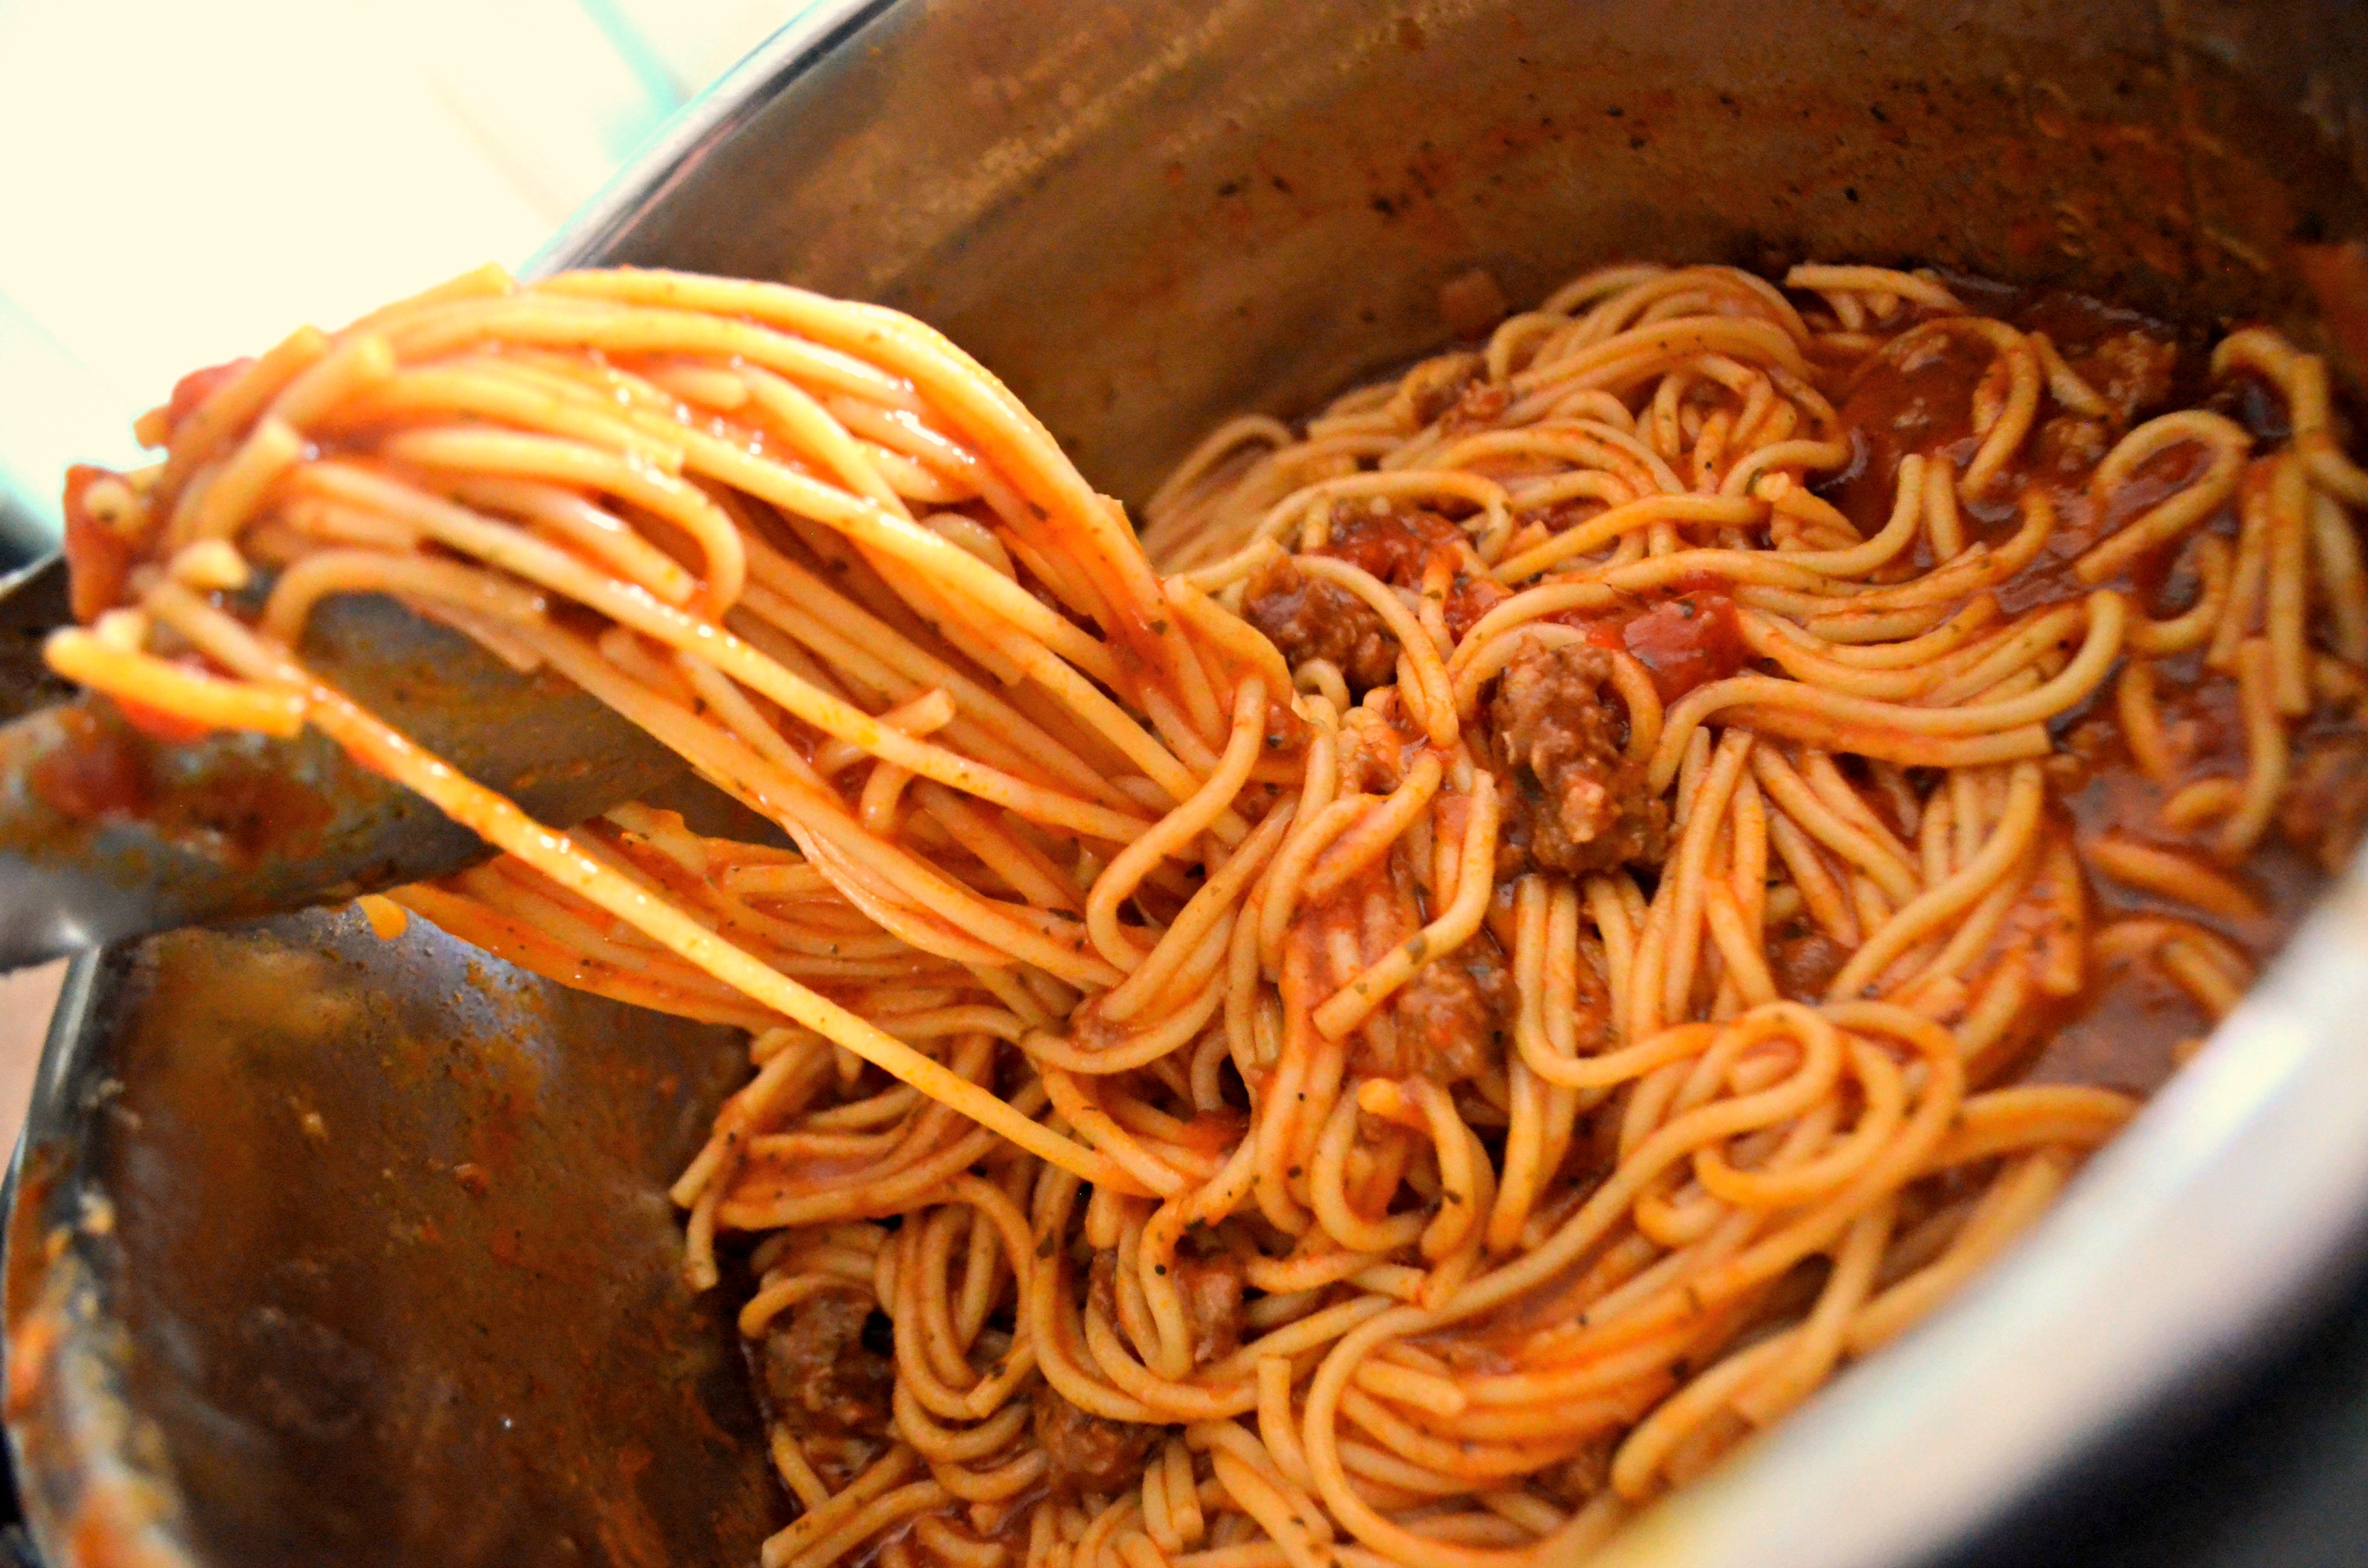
[828, 1377]
[107, 768]
[1088, 1453]
[1686, 637]
[1574, 801]
[2122, 1029]
[1312, 619]
[1309, 619]
[1450, 1020]
[99, 557]
[1921, 401]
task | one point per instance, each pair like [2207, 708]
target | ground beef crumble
[2324, 812]
[2132, 369]
[1479, 408]
[1433, 387]
[1088, 1453]
[1574, 801]
[1306, 618]
[1805, 963]
[1310, 619]
[1447, 1021]
[824, 1383]
[1212, 1289]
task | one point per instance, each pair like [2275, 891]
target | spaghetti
[1419, 1021]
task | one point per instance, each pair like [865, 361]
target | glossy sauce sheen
[1686, 640]
[2122, 1031]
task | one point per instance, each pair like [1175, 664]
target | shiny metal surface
[1146, 215]
[234, 826]
[326, 1248]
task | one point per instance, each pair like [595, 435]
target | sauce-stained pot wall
[1147, 216]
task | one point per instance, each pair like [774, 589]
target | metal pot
[324, 1245]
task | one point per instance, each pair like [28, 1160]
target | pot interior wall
[1146, 217]
[359, 1250]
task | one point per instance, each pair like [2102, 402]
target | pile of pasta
[1194, 1120]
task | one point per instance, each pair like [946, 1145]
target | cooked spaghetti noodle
[1416, 1024]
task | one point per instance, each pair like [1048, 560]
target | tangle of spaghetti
[1408, 1012]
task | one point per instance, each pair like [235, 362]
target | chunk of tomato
[97, 557]
[1687, 641]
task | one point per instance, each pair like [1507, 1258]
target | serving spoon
[107, 832]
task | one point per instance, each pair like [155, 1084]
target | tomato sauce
[1686, 637]
[1687, 641]
[97, 556]
[105, 769]
[191, 390]
[2121, 1030]
[1398, 547]
[1921, 402]
[99, 774]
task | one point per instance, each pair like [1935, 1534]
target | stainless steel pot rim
[800, 44]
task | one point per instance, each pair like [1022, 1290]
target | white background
[184, 181]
